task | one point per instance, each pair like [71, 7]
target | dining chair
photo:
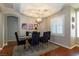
[35, 38]
[20, 40]
[45, 37]
[27, 33]
[49, 35]
[34, 41]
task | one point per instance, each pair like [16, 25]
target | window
[57, 25]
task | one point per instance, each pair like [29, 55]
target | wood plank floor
[8, 50]
[61, 51]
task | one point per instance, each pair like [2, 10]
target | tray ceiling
[40, 9]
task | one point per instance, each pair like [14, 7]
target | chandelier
[39, 20]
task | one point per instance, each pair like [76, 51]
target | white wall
[77, 32]
[43, 25]
[25, 20]
[5, 29]
[72, 31]
[63, 40]
[1, 30]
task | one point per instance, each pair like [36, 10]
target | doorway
[12, 27]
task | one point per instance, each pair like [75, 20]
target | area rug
[35, 50]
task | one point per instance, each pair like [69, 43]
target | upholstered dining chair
[49, 35]
[27, 33]
[45, 38]
[20, 40]
[35, 38]
[34, 41]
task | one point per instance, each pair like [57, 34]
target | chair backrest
[27, 33]
[46, 35]
[16, 35]
[49, 34]
[35, 37]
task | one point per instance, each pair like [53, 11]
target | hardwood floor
[61, 51]
[8, 50]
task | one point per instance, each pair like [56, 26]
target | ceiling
[40, 9]
[75, 5]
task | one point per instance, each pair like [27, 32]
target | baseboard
[73, 46]
[77, 45]
[11, 40]
[3, 46]
[59, 44]
[63, 45]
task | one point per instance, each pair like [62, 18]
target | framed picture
[30, 26]
[24, 26]
[73, 26]
[73, 20]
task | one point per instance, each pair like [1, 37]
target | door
[12, 24]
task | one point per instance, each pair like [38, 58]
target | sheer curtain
[57, 25]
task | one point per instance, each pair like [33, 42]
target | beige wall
[48, 23]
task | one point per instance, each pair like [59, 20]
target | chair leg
[38, 46]
[47, 44]
[31, 47]
[24, 46]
